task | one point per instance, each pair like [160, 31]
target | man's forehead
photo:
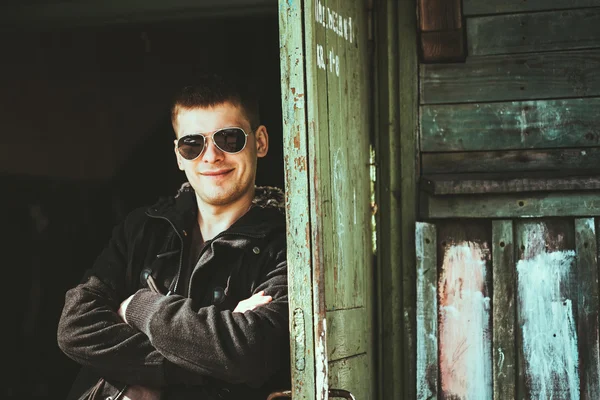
[208, 119]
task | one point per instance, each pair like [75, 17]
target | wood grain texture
[517, 205]
[348, 374]
[510, 125]
[298, 206]
[464, 312]
[512, 78]
[443, 46]
[440, 15]
[427, 368]
[478, 7]
[346, 333]
[504, 311]
[588, 307]
[506, 183]
[582, 160]
[53, 14]
[406, 94]
[546, 309]
[534, 32]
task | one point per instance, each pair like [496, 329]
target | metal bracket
[332, 394]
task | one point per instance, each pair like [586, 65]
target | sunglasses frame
[211, 136]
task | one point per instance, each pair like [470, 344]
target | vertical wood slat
[588, 307]
[427, 312]
[441, 30]
[546, 301]
[405, 107]
[504, 311]
[298, 208]
[464, 315]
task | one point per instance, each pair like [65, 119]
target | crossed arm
[140, 392]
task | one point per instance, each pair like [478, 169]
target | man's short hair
[211, 90]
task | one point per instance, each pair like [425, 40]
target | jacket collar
[266, 213]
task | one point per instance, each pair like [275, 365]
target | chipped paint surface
[321, 361]
[465, 346]
[427, 344]
[548, 324]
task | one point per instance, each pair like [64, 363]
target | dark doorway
[85, 137]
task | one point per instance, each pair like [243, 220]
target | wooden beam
[441, 31]
[581, 160]
[510, 125]
[531, 76]
[445, 184]
[511, 205]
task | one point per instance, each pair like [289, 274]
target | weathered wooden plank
[344, 114]
[52, 14]
[298, 207]
[405, 95]
[440, 15]
[346, 333]
[509, 78]
[588, 307]
[396, 24]
[510, 125]
[441, 30]
[444, 184]
[465, 343]
[544, 31]
[348, 374]
[504, 311]
[583, 160]
[443, 46]
[546, 299]
[478, 7]
[510, 205]
[427, 311]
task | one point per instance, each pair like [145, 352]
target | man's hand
[136, 392]
[258, 299]
[123, 308]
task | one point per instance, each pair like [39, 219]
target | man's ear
[261, 138]
[178, 156]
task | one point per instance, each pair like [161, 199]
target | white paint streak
[322, 365]
[465, 350]
[549, 330]
[338, 181]
[354, 205]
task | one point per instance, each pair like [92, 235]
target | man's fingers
[254, 301]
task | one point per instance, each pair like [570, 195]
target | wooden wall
[508, 309]
[526, 99]
[507, 265]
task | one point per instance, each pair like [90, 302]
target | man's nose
[212, 153]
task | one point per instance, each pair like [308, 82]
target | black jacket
[191, 347]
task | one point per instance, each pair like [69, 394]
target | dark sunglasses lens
[231, 140]
[190, 147]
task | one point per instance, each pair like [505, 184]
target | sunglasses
[229, 140]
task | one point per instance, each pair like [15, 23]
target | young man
[189, 298]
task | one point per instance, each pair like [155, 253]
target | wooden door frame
[397, 149]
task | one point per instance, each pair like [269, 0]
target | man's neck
[213, 220]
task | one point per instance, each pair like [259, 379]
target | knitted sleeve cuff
[141, 308]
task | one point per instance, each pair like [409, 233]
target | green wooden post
[298, 209]
[504, 311]
[588, 307]
[427, 368]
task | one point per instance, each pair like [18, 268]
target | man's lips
[216, 172]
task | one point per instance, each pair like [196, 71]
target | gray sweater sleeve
[234, 347]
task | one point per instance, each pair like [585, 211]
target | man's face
[220, 178]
